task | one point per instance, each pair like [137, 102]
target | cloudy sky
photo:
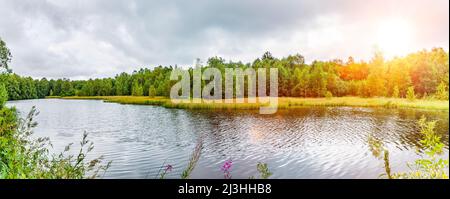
[96, 38]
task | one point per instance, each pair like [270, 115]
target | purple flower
[168, 168]
[226, 168]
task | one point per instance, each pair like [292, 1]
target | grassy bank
[283, 102]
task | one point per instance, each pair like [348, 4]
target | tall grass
[193, 160]
[283, 102]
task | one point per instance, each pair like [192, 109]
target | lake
[313, 142]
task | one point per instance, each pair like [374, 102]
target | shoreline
[283, 102]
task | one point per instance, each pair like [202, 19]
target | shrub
[3, 95]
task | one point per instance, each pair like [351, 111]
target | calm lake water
[326, 142]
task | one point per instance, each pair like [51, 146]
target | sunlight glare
[394, 37]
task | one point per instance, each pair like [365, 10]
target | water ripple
[301, 143]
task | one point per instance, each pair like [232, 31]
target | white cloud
[99, 38]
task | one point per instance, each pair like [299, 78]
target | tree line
[423, 74]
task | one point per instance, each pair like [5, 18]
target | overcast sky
[95, 38]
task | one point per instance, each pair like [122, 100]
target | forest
[423, 74]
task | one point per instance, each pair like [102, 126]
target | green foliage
[152, 91]
[3, 95]
[25, 157]
[431, 142]
[66, 89]
[428, 69]
[8, 125]
[18, 87]
[398, 77]
[375, 146]
[122, 86]
[5, 57]
[387, 166]
[42, 87]
[377, 149]
[318, 80]
[375, 86]
[263, 170]
[425, 71]
[328, 95]
[137, 89]
[431, 166]
[410, 94]
[396, 92]
[442, 92]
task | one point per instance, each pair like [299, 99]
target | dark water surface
[314, 142]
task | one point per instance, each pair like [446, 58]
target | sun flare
[394, 37]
